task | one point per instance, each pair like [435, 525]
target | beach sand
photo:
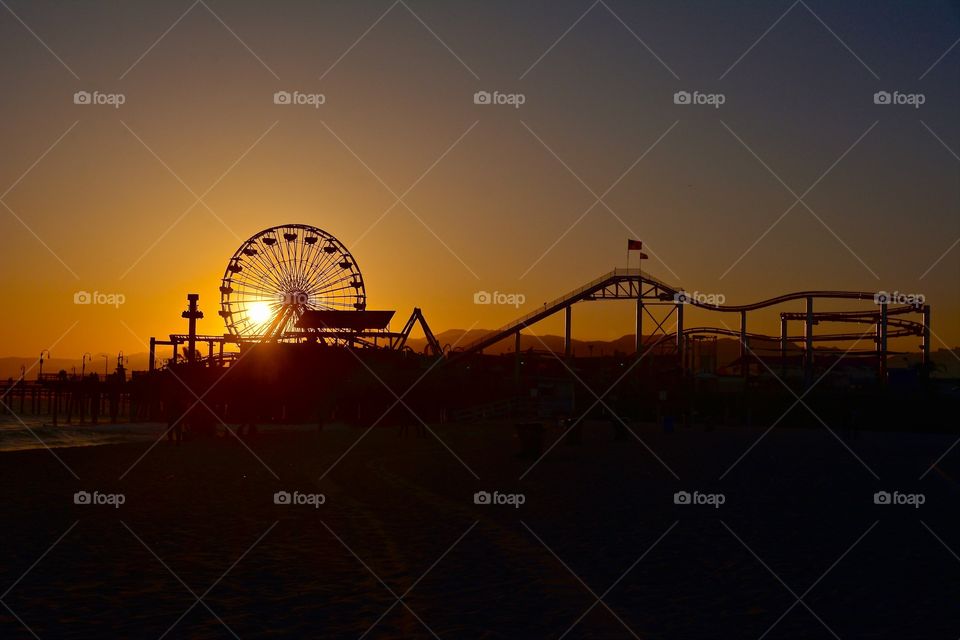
[399, 521]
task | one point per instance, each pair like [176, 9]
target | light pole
[106, 361]
[83, 363]
[44, 351]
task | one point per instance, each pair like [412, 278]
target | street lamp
[83, 363]
[44, 351]
[106, 361]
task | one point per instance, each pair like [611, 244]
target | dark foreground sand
[799, 500]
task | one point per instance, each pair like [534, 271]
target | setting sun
[259, 312]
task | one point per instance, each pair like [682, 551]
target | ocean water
[36, 433]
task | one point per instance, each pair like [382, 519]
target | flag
[636, 245]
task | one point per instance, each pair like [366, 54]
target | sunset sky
[151, 198]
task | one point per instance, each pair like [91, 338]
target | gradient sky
[100, 198]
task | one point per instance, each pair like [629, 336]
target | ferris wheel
[283, 271]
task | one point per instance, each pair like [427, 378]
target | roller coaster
[886, 317]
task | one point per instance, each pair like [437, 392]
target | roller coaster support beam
[638, 338]
[680, 334]
[783, 346]
[153, 354]
[744, 365]
[882, 342]
[566, 331]
[808, 345]
[925, 346]
[516, 351]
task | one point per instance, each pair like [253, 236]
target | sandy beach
[399, 520]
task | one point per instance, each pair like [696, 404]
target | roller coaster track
[634, 284]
